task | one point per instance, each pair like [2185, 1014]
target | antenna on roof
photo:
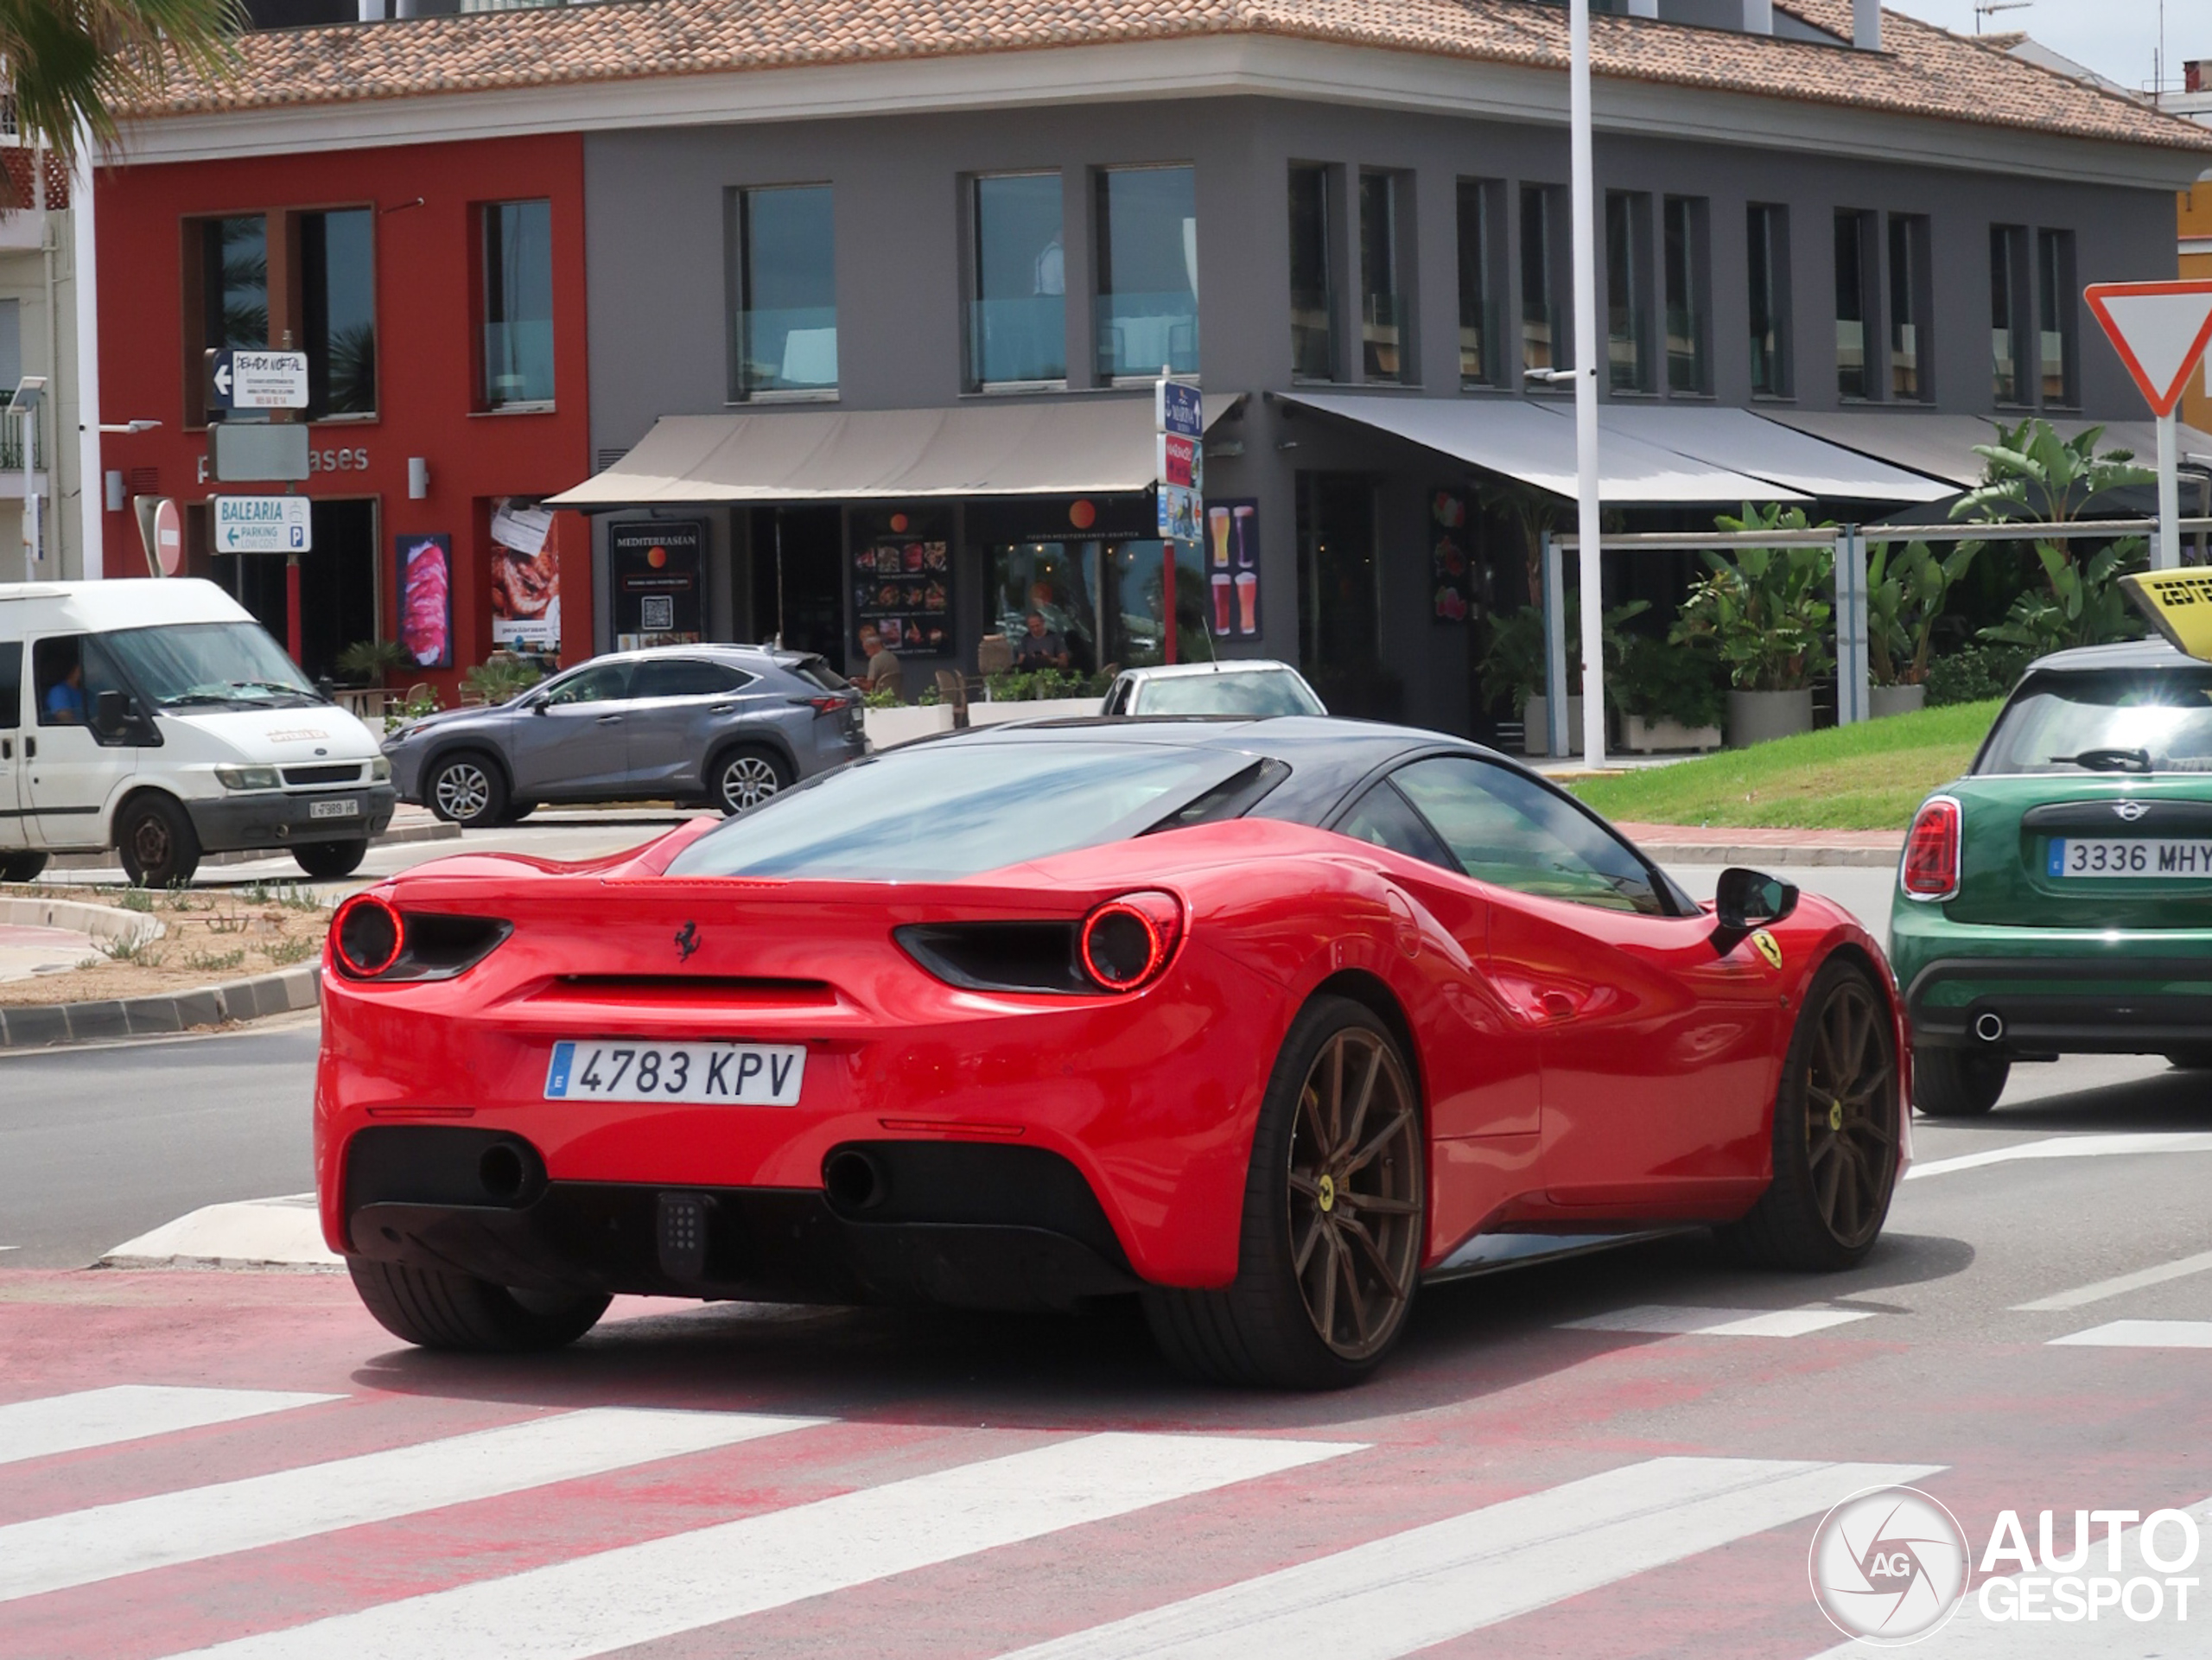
[1990, 8]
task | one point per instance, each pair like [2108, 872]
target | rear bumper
[2037, 1005]
[276, 819]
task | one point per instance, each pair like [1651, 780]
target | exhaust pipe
[854, 1179]
[1989, 1026]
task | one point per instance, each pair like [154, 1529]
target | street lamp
[25, 407]
[126, 426]
[1588, 555]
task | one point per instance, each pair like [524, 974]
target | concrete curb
[255, 1234]
[56, 1025]
[1761, 855]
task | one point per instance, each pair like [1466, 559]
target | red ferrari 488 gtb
[1264, 1021]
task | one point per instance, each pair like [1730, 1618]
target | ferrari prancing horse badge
[1767, 947]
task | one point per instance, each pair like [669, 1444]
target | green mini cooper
[2058, 899]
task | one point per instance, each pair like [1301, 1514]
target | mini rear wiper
[2107, 760]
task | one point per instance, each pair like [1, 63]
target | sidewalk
[1720, 844]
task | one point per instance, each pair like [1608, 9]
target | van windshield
[209, 666]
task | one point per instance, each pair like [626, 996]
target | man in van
[65, 698]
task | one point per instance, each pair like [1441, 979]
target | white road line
[2141, 1335]
[2115, 1287]
[83, 1547]
[1432, 1584]
[639, 1593]
[2069, 1146]
[129, 1412]
[1666, 1319]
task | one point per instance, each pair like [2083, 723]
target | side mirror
[111, 714]
[538, 705]
[1750, 898]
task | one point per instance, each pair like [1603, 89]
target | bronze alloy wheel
[1851, 1112]
[1356, 1193]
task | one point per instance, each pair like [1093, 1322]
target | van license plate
[349, 808]
[615, 1069]
[2072, 856]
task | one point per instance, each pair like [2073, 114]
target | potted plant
[1905, 594]
[1040, 694]
[1669, 696]
[1765, 612]
[499, 678]
[1513, 669]
[366, 662]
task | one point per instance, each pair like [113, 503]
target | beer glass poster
[525, 577]
[1232, 567]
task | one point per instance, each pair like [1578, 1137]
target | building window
[1313, 295]
[1543, 343]
[1147, 313]
[233, 278]
[784, 334]
[1854, 373]
[1909, 362]
[1384, 321]
[1479, 364]
[1017, 325]
[338, 311]
[2055, 315]
[2008, 313]
[1627, 315]
[1768, 262]
[517, 304]
[1686, 261]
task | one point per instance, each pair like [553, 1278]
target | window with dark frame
[2055, 315]
[1017, 326]
[2008, 314]
[1855, 294]
[1148, 271]
[1627, 330]
[1313, 295]
[1544, 345]
[784, 299]
[1478, 345]
[1382, 316]
[1685, 260]
[338, 312]
[1767, 227]
[517, 304]
[1910, 361]
[233, 278]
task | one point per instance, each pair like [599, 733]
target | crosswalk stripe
[1431, 1584]
[636, 1593]
[2118, 1285]
[82, 1546]
[129, 1412]
[1664, 1319]
[2141, 1335]
[2069, 1146]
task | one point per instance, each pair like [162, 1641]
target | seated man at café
[1039, 647]
[882, 672]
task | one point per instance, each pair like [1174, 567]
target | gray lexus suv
[720, 726]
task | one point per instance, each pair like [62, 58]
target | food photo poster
[426, 600]
[525, 577]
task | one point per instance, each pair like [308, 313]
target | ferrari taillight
[372, 941]
[1930, 870]
[1126, 943]
[367, 937]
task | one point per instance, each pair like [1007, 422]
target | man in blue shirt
[65, 698]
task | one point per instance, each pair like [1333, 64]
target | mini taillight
[1127, 942]
[1930, 870]
[367, 937]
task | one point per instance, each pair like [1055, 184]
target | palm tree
[74, 64]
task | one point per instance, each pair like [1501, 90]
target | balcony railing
[11, 437]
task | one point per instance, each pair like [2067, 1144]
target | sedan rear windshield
[938, 812]
[2117, 720]
[1256, 692]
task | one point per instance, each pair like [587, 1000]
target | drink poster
[1451, 559]
[426, 600]
[1232, 548]
[525, 577]
[902, 588]
[658, 596]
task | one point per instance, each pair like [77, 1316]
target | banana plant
[1765, 611]
[1906, 590]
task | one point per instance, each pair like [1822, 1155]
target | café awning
[1751, 443]
[1084, 445]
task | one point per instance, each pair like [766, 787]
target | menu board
[903, 589]
[655, 566]
[1450, 568]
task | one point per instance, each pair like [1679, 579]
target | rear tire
[1335, 1218]
[1956, 1084]
[467, 790]
[1836, 1124]
[157, 843]
[746, 777]
[21, 866]
[327, 860]
[437, 1310]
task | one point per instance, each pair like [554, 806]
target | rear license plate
[610, 1069]
[2072, 856]
[348, 807]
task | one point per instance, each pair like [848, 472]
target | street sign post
[257, 380]
[257, 452]
[1179, 418]
[262, 524]
[2159, 329]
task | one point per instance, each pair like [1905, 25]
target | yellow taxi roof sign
[2178, 604]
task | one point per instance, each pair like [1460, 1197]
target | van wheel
[157, 843]
[21, 866]
[468, 790]
[327, 860]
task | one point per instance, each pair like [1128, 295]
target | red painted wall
[426, 316]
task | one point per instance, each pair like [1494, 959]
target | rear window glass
[1258, 693]
[2121, 721]
[816, 671]
[942, 811]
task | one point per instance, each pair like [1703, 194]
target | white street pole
[1588, 554]
[2167, 555]
[91, 498]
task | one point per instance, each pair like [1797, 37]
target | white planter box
[1035, 709]
[1885, 701]
[889, 727]
[1535, 737]
[1649, 737]
[1763, 717]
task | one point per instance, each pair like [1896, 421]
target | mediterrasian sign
[261, 524]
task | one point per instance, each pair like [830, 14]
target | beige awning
[1062, 447]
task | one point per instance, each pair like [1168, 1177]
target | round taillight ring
[367, 937]
[1126, 942]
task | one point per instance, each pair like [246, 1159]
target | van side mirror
[111, 714]
[1745, 899]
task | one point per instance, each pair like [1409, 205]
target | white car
[1253, 686]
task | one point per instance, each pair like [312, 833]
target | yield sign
[2160, 330]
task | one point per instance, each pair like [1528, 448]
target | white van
[159, 719]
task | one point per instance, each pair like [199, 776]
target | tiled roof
[1922, 70]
